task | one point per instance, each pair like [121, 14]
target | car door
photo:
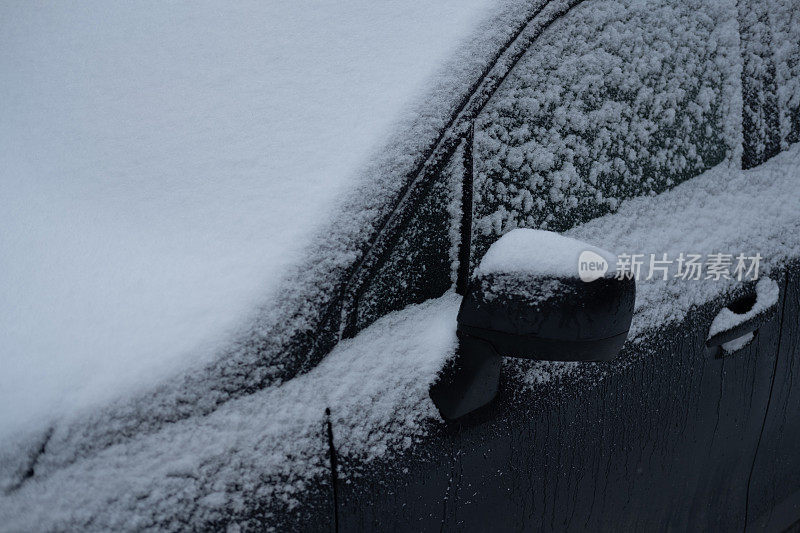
[663, 438]
[770, 38]
[774, 490]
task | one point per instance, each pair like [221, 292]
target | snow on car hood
[163, 164]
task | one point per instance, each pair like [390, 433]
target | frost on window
[760, 125]
[420, 264]
[617, 99]
[785, 23]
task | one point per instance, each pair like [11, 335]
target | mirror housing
[549, 319]
[541, 313]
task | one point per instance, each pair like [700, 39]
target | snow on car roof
[271, 444]
[164, 164]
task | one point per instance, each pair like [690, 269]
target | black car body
[581, 106]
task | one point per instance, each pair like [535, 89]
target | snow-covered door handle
[736, 324]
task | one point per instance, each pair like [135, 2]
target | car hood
[165, 165]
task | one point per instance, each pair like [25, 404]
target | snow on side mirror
[536, 295]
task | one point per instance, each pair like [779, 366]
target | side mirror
[535, 295]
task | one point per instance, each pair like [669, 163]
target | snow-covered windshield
[162, 165]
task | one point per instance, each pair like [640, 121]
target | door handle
[744, 316]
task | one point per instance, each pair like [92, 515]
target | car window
[612, 100]
[784, 16]
[617, 99]
[760, 117]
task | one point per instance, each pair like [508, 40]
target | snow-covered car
[651, 128]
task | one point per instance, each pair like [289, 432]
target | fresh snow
[204, 445]
[767, 292]
[539, 252]
[785, 23]
[264, 350]
[737, 344]
[164, 164]
[724, 210]
[195, 469]
[271, 445]
[618, 99]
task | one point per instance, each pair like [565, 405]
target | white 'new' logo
[591, 266]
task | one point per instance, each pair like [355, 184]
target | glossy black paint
[774, 502]
[512, 314]
[469, 381]
[664, 437]
[513, 310]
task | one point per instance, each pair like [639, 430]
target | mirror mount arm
[469, 380]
